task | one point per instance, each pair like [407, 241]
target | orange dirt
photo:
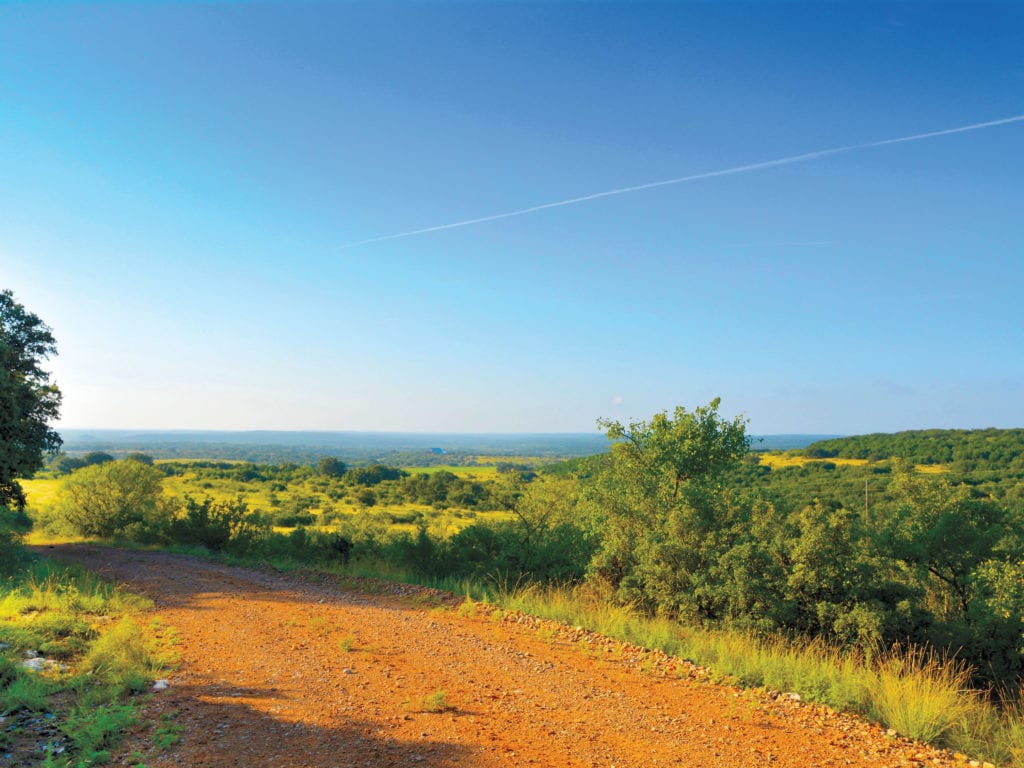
[286, 672]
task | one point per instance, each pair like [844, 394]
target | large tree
[664, 516]
[28, 401]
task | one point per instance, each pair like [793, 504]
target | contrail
[694, 177]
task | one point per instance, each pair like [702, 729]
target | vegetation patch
[76, 656]
[433, 703]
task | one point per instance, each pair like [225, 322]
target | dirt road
[277, 671]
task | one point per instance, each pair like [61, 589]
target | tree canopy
[28, 401]
[106, 499]
[661, 506]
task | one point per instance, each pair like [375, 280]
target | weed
[92, 729]
[468, 608]
[123, 657]
[347, 643]
[433, 703]
[547, 634]
[27, 691]
[921, 696]
[167, 733]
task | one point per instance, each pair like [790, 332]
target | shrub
[105, 499]
[218, 525]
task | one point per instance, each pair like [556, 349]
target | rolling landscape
[571, 385]
[897, 553]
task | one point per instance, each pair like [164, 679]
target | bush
[106, 499]
[292, 519]
[218, 525]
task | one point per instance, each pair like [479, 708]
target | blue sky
[179, 184]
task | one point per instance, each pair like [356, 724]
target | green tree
[661, 456]
[945, 532]
[62, 464]
[330, 466]
[28, 401]
[96, 457]
[373, 474]
[111, 498]
[664, 516]
[366, 497]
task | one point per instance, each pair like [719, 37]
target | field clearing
[42, 492]
[531, 461]
[932, 469]
[784, 460]
[257, 495]
[484, 472]
[777, 460]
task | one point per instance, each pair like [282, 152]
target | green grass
[101, 654]
[93, 729]
[167, 733]
[478, 472]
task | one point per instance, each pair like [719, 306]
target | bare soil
[285, 671]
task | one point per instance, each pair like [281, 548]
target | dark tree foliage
[62, 464]
[331, 466]
[443, 489]
[373, 474]
[28, 401]
[97, 457]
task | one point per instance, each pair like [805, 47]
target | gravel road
[282, 671]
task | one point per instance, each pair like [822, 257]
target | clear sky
[180, 185]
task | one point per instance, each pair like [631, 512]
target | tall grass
[921, 695]
[915, 692]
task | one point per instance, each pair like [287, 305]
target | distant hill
[405, 448]
[963, 449]
[785, 442]
[264, 446]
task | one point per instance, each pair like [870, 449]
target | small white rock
[161, 685]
